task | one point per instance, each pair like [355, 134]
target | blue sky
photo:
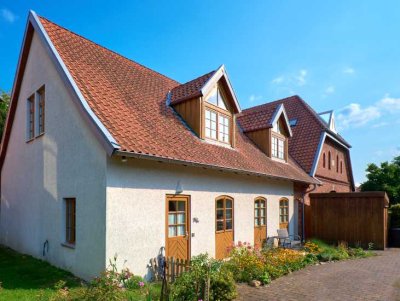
[341, 55]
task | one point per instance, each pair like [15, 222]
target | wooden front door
[283, 213]
[178, 227]
[260, 222]
[224, 234]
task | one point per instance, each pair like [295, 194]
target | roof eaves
[132, 154]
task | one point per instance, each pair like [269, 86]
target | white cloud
[254, 98]
[298, 78]
[278, 80]
[330, 90]
[301, 77]
[389, 103]
[8, 16]
[349, 70]
[380, 124]
[355, 115]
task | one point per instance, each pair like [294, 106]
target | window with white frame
[223, 128]
[35, 114]
[211, 124]
[278, 148]
[217, 130]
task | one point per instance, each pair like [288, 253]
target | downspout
[303, 212]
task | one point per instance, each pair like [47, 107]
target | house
[315, 145]
[101, 156]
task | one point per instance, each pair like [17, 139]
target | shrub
[191, 285]
[246, 263]
[134, 282]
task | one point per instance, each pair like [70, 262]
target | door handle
[187, 235]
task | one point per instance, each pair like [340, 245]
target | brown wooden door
[224, 234]
[260, 222]
[178, 227]
[283, 213]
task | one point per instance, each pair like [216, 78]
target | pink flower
[141, 283]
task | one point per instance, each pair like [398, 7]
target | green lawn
[23, 277]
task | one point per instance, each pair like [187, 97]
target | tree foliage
[385, 177]
[4, 104]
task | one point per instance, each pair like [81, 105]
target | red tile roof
[190, 89]
[256, 119]
[303, 145]
[130, 100]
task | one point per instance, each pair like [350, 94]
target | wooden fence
[174, 268]
[358, 218]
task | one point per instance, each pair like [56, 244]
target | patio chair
[288, 241]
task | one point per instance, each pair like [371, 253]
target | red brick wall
[338, 157]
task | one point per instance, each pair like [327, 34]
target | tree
[4, 104]
[384, 178]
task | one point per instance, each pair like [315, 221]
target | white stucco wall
[136, 196]
[67, 161]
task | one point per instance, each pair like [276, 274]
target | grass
[24, 278]
[342, 251]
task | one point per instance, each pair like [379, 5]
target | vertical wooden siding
[357, 218]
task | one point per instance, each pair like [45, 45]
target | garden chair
[288, 241]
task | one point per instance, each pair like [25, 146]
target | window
[176, 218]
[218, 131]
[217, 99]
[41, 104]
[223, 128]
[341, 167]
[323, 160]
[211, 124]
[224, 214]
[283, 212]
[337, 163]
[70, 218]
[293, 122]
[329, 160]
[260, 211]
[30, 116]
[278, 148]
[35, 112]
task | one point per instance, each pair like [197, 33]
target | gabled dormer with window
[208, 106]
[269, 129]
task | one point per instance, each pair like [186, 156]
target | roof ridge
[204, 75]
[107, 49]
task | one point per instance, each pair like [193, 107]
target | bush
[134, 282]
[191, 285]
[342, 251]
[246, 263]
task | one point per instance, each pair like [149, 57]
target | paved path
[374, 278]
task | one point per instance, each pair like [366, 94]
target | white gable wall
[136, 204]
[67, 161]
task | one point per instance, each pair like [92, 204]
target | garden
[25, 278]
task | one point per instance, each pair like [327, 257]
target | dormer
[208, 106]
[269, 128]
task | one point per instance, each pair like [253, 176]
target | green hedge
[395, 216]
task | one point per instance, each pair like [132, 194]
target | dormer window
[217, 130]
[278, 148]
[216, 98]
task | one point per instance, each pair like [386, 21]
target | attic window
[293, 122]
[216, 98]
